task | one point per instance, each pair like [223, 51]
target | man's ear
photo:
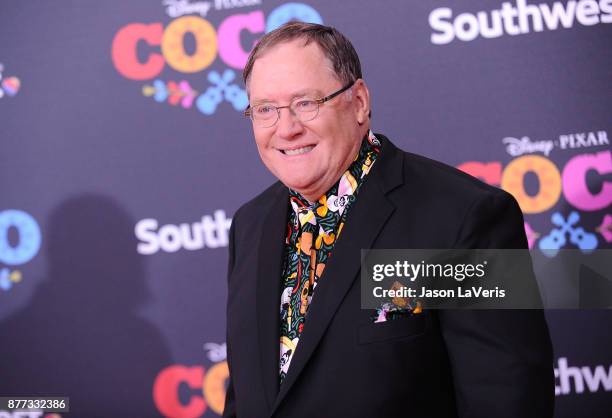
[361, 100]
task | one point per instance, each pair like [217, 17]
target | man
[298, 343]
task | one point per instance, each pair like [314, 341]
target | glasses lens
[306, 109]
[264, 115]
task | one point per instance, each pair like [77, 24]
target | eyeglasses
[305, 108]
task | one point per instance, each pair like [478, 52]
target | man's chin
[299, 186]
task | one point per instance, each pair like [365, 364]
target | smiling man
[308, 152]
[299, 345]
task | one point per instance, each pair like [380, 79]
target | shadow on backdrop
[581, 350]
[82, 330]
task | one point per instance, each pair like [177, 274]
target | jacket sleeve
[229, 411]
[502, 360]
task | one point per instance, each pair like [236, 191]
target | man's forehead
[290, 68]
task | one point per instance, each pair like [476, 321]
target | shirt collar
[337, 197]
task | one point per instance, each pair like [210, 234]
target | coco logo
[571, 181]
[224, 41]
[174, 379]
[140, 51]
[24, 245]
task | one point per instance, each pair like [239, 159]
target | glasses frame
[248, 112]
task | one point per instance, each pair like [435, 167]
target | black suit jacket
[435, 364]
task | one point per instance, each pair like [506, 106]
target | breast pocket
[400, 328]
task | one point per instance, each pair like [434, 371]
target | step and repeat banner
[124, 155]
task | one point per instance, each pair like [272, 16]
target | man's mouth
[298, 151]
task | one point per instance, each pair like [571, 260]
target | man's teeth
[299, 150]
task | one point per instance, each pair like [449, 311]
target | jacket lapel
[367, 217]
[269, 270]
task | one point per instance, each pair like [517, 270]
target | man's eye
[264, 110]
[306, 105]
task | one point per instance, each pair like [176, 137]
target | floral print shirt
[312, 231]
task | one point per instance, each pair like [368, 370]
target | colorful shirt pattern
[312, 231]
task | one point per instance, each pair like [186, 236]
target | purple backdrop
[124, 155]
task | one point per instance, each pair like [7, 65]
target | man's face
[308, 157]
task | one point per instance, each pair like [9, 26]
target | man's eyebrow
[315, 93]
[307, 92]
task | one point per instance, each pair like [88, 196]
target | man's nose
[289, 125]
